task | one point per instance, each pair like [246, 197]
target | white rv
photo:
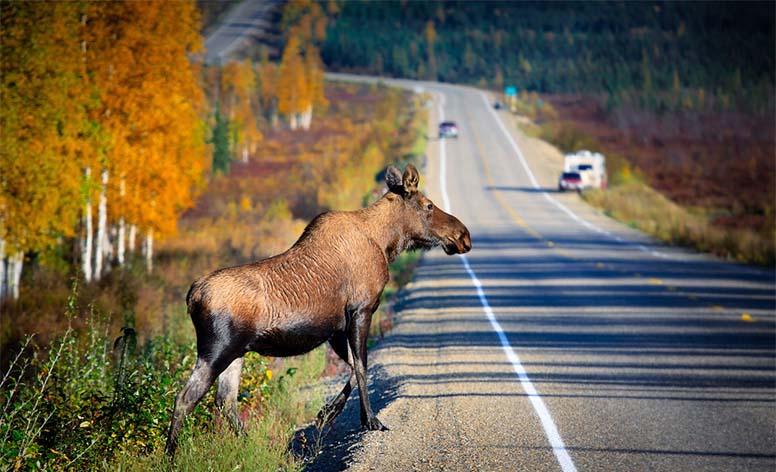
[591, 167]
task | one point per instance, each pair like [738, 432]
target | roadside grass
[631, 200]
[640, 206]
[95, 389]
[286, 401]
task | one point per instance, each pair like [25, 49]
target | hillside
[655, 54]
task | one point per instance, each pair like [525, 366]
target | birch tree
[301, 75]
[44, 130]
[151, 106]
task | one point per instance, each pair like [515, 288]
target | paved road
[614, 352]
[245, 25]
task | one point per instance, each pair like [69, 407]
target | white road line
[558, 447]
[535, 185]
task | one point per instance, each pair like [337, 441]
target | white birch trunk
[102, 223]
[132, 234]
[149, 250]
[120, 243]
[307, 117]
[86, 256]
[122, 230]
[108, 253]
[245, 154]
[2, 269]
[292, 120]
[15, 274]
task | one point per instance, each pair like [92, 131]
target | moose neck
[385, 225]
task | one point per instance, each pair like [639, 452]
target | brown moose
[324, 288]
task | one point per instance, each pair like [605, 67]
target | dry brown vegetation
[255, 211]
[704, 180]
[111, 388]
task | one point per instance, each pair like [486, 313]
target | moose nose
[466, 242]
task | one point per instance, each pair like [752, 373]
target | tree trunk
[149, 250]
[2, 269]
[86, 256]
[292, 120]
[121, 237]
[273, 117]
[102, 223]
[307, 117]
[109, 253]
[122, 229]
[132, 236]
[15, 274]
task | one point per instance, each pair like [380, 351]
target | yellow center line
[502, 201]
[530, 230]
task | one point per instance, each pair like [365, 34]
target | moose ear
[411, 179]
[394, 180]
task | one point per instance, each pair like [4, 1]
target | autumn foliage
[300, 86]
[100, 108]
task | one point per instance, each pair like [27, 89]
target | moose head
[425, 224]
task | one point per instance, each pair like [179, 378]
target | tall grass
[287, 402]
[631, 200]
[640, 206]
[88, 401]
[97, 390]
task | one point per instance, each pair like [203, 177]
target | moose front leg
[339, 343]
[358, 332]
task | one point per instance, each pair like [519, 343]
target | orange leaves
[150, 104]
[292, 90]
[104, 85]
[300, 85]
[305, 20]
[238, 89]
[41, 118]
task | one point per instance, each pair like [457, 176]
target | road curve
[245, 25]
[564, 340]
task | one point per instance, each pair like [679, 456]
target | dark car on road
[448, 129]
[570, 181]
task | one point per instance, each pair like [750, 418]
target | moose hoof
[373, 424]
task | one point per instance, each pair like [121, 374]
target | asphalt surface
[625, 354]
[245, 25]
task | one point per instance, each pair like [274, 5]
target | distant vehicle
[448, 129]
[591, 167]
[570, 181]
[498, 105]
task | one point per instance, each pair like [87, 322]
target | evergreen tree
[220, 141]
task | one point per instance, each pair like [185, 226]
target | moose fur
[324, 288]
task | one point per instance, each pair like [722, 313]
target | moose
[324, 288]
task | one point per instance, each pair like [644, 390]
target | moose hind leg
[198, 384]
[357, 337]
[339, 343]
[226, 394]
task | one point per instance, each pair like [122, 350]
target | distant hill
[660, 55]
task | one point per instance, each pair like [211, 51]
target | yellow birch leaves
[300, 84]
[99, 85]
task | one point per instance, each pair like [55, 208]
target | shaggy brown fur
[324, 288]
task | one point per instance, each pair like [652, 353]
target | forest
[110, 130]
[679, 94]
[129, 169]
[658, 55]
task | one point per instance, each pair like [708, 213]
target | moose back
[324, 288]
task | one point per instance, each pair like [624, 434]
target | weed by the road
[633, 201]
[639, 205]
[93, 402]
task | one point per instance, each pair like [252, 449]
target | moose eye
[430, 206]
